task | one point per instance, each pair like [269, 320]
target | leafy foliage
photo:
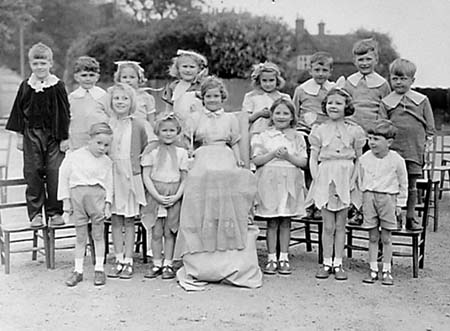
[146, 10]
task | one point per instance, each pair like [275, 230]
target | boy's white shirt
[311, 87]
[96, 93]
[393, 99]
[373, 79]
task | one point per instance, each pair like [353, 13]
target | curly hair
[212, 82]
[258, 69]
[133, 65]
[349, 108]
[198, 58]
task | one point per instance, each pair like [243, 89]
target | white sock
[99, 263]
[272, 257]
[157, 262]
[167, 262]
[119, 257]
[79, 265]
[128, 260]
[284, 256]
[373, 266]
[337, 262]
[386, 267]
[327, 261]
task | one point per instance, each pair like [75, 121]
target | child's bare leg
[339, 237]
[271, 236]
[285, 237]
[129, 239]
[329, 227]
[157, 234]
[80, 246]
[386, 239]
[117, 223]
[98, 229]
[374, 238]
[169, 244]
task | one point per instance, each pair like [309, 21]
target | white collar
[214, 114]
[39, 85]
[311, 86]
[96, 92]
[373, 79]
[393, 99]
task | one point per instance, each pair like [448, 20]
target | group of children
[98, 155]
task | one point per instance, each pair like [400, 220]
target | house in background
[306, 44]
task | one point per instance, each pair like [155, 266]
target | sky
[420, 29]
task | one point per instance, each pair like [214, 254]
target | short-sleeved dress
[128, 187]
[257, 100]
[167, 162]
[336, 143]
[213, 238]
[281, 186]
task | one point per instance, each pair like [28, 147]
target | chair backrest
[430, 159]
[5, 146]
[19, 202]
[443, 144]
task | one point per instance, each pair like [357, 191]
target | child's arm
[402, 176]
[146, 172]
[19, 143]
[172, 199]
[63, 184]
[265, 112]
[237, 155]
[298, 161]
[314, 163]
[429, 118]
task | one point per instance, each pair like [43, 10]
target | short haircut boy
[402, 67]
[322, 58]
[383, 128]
[365, 46]
[40, 51]
[86, 63]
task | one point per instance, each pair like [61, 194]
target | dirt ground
[34, 298]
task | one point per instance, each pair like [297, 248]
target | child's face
[99, 144]
[320, 73]
[188, 68]
[41, 68]
[379, 145]
[213, 99]
[168, 132]
[129, 76]
[335, 107]
[401, 84]
[268, 81]
[366, 63]
[281, 117]
[86, 79]
[121, 103]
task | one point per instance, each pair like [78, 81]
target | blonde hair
[128, 90]
[133, 65]
[402, 67]
[199, 59]
[40, 51]
[100, 128]
[364, 46]
[288, 103]
[168, 117]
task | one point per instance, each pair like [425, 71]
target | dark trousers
[41, 161]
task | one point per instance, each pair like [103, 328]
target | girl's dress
[281, 187]
[336, 143]
[181, 98]
[214, 239]
[129, 192]
[145, 104]
[167, 162]
[257, 100]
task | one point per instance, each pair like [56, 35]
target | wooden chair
[441, 147]
[313, 228]
[5, 150]
[14, 227]
[412, 239]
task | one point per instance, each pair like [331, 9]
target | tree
[237, 41]
[146, 10]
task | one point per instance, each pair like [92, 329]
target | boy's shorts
[88, 203]
[379, 210]
[414, 168]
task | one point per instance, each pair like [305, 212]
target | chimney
[321, 26]
[299, 27]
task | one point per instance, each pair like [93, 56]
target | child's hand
[240, 163]
[282, 153]
[107, 210]
[265, 113]
[67, 206]
[171, 200]
[19, 144]
[398, 211]
[64, 145]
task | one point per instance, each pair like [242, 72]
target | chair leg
[415, 248]
[144, 244]
[51, 244]
[319, 239]
[106, 238]
[7, 252]
[349, 243]
[422, 252]
[35, 245]
[308, 237]
[91, 244]
[45, 238]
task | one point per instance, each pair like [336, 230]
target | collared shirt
[39, 85]
[367, 92]
[166, 173]
[87, 107]
[412, 115]
[384, 175]
[82, 168]
[308, 98]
